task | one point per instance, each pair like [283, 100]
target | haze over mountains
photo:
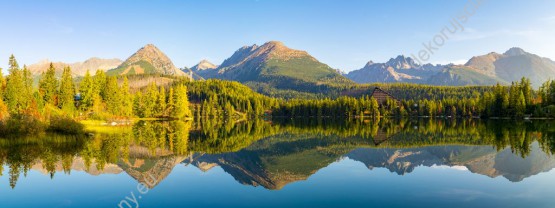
[78, 68]
[275, 66]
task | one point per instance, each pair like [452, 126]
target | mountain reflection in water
[275, 154]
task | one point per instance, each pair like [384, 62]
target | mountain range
[275, 67]
[487, 69]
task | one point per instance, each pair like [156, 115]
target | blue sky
[343, 34]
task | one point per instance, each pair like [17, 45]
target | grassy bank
[28, 125]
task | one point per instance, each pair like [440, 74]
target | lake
[286, 163]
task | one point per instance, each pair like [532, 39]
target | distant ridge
[487, 69]
[78, 68]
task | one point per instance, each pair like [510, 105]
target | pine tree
[67, 92]
[100, 83]
[161, 102]
[149, 100]
[48, 86]
[27, 92]
[526, 88]
[14, 86]
[513, 97]
[138, 105]
[182, 109]
[86, 89]
[113, 96]
[171, 102]
[127, 99]
[520, 105]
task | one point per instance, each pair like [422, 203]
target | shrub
[21, 125]
[65, 125]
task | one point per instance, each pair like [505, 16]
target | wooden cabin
[381, 96]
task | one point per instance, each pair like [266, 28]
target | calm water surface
[291, 163]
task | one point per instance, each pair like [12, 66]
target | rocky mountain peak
[149, 49]
[402, 62]
[273, 43]
[271, 49]
[148, 60]
[276, 49]
[515, 51]
[204, 65]
[369, 63]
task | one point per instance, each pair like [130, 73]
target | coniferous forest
[61, 103]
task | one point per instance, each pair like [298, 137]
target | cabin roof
[377, 89]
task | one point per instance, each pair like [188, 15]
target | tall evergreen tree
[14, 87]
[87, 91]
[113, 96]
[126, 99]
[138, 105]
[526, 88]
[67, 92]
[28, 86]
[149, 100]
[171, 102]
[161, 103]
[100, 83]
[48, 86]
[520, 107]
[182, 109]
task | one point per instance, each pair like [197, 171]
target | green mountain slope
[278, 66]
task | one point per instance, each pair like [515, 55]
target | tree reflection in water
[275, 153]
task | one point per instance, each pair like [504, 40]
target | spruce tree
[138, 105]
[86, 89]
[520, 105]
[48, 86]
[100, 84]
[27, 92]
[161, 103]
[149, 100]
[526, 88]
[182, 109]
[14, 86]
[171, 102]
[126, 99]
[67, 92]
[113, 96]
